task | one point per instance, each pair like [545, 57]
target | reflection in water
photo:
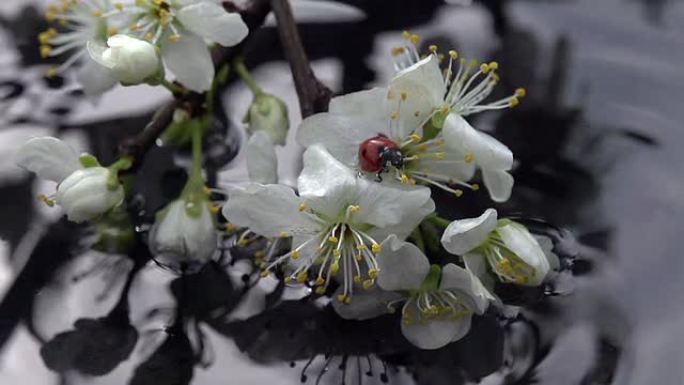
[558, 181]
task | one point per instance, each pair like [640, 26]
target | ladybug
[378, 153]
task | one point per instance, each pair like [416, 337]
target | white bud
[269, 114]
[88, 193]
[184, 235]
[131, 60]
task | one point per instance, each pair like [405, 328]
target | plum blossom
[503, 247]
[438, 301]
[335, 222]
[131, 61]
[179, 28]
[85, 189]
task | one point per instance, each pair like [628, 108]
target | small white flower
[262, 162]
[438, 301]
[83, 22]
[132, 61]
[184, 235]
[512, 254]
[334, 222]
[269, 114]
[179, 27]
[83, 192]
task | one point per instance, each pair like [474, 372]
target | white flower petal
[85, 194]
[423, 85]
[340, 134]
[48, 157]
[384, 206]
[366, 103]
[189, 59]
[524, 245]
[268, 210]
[412, 213]
[366, 304]
[401, 265]
[94, 78]
[434, 334]
[476, 264]
[470, 289]
[547, 246]
[463, 235]
[448, 167]
[499, 184]
[488, 153]
[262, 163]
[211, 21]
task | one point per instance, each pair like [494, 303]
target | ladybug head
[392, 156]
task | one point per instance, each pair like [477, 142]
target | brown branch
[136, 147]
[313, 95]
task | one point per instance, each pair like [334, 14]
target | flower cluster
[128, 41]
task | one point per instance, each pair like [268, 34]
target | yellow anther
[265, 273]
[63, 22]
[415, 39]
[149, 36]
[319, 281]
[396, 51]
[341, 298]
[96, 13]
[119, 6]
[367, 284]
[337, 253]
[406, 34]
[439, 155]
[458, 193]
[493, 66]
[347, 300]
[111, 31]
[334, 268]
[520, 92]
[259, 254]
[440, 56]
[475, 187]
[373, 273]
[391, 309]
[284, 234]
[174, 38]
[44, 38]
[354, 208]
[468, 157]
[213, 207]
[230, 227]
[521, 280]
[394, 115]
[302, 206]
[404, 95]
[412, 181]
[320, 290]
[433, 48]
[453, 54]
[51, 72]
[242, 242]
[484, 68]
[361, 247]
[445, 109]
[294, 254]
[302, 276]
[376, 248]
[358, 257]
[357, 279]
[288, 280]
[333, 239]
[134, 27]
[50, 16]
[45, 51]
[404, 179]
[49, 202]
[472, 63]
[514, 101]
[416, 138]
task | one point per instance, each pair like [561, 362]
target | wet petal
[211, 21]
[463, 235]
[499, 184]
[48, 157]
[189, 59]
[402, 265]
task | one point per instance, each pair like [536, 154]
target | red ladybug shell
[370, 150]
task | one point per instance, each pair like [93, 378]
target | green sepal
[88, 160]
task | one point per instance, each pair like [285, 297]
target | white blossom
[503, 247]
[269, 114]
[83, 192]
[131, 60]
[179, 28]
[334, 222]
[438, 301]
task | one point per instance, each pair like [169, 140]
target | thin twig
[313, 95]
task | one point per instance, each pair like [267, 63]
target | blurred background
[598, 150]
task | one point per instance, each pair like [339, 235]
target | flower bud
[184, 235]
[131, 60]
[268, 113]
[88, 193]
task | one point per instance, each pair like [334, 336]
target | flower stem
[246, 77]
[173, 88]
[196, 128]
[417, 238]
[439, 221]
